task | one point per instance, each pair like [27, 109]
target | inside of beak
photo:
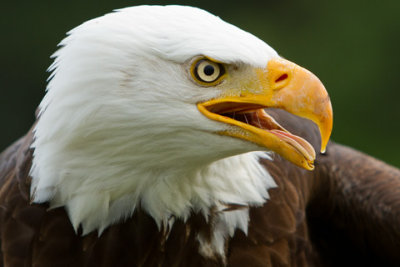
[254, 115]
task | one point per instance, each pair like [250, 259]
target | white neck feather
[97, 201]
[106, 193]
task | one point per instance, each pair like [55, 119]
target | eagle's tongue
[297, 142]
[263, 120]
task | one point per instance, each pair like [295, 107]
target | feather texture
[121, 168]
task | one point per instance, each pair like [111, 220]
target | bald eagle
[168, 137]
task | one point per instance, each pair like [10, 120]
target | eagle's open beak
[282, 84]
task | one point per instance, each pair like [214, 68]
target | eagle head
[156, 106]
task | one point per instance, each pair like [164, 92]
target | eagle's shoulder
[17, 217]
[353, 214]
[30, 235]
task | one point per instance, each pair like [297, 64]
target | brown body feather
[345, 213]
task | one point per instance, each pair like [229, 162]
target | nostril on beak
[281, 78]
[281, 81]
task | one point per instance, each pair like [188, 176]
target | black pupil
[208, 70]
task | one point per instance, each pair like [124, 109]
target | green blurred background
[352, 46]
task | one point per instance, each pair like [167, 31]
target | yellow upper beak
[301, 94]
[282, 84]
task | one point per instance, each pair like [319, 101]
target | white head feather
[119, 126]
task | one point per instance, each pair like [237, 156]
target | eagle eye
[207, 72]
